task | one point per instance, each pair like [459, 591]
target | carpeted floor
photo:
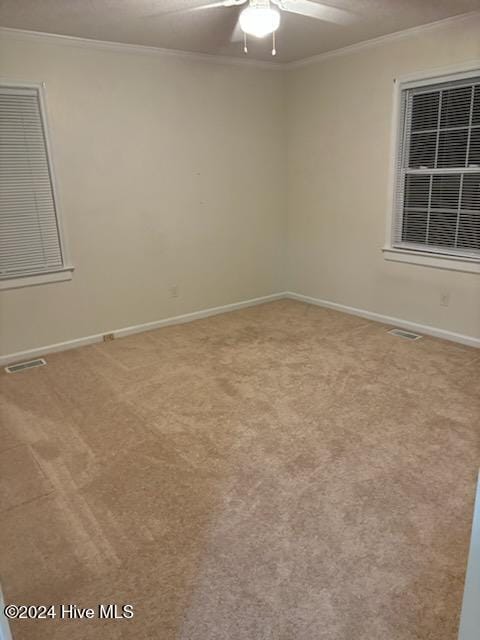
[283, 472]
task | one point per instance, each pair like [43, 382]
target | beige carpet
[283, 472]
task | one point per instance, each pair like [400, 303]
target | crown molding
[123, 47]
[389, 37]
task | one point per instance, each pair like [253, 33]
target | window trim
[54, 275]
[19, 282]
[438, 260]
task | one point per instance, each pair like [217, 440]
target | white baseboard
[138, 328]
[196, 315]
[397, 322]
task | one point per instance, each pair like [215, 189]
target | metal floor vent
[407, 335]
[20, 366]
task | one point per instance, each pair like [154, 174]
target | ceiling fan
[262, 17]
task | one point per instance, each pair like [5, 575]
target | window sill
[429, 260]
[32, 281]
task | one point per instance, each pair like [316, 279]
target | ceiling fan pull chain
[274, 49]
[245, 48]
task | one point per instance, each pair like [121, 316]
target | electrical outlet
[108, 337]
[444, 299]
[173, 289]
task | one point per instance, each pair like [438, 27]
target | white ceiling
[171, 24]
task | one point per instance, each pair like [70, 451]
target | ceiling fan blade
[223, 3]
[212, 5]
[202, 7]
[315, 10]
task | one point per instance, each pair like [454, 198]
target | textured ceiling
[172, 24]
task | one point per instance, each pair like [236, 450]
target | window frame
[66, 271]
[392, 252]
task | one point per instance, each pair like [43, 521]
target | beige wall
[339, 124]
[174, 171]
[170, 172]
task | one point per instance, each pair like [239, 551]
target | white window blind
[30, 242]
[437, 186]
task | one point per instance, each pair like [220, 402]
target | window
[31, 246]
[436, 209]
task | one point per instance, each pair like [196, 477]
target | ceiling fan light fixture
[259, 21]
